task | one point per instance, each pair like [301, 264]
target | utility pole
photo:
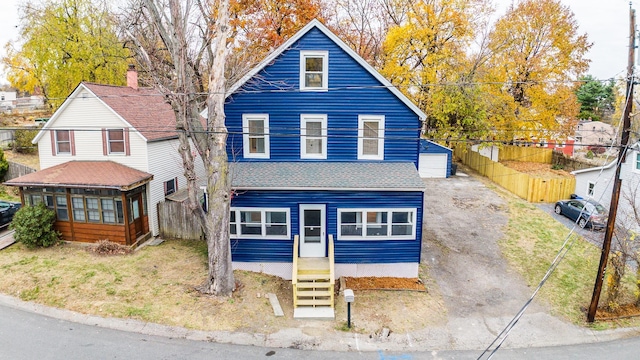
[615, 197]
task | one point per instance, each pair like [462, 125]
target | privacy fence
[530, 188]
[177, 221]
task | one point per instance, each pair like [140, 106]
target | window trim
[389, 224]
[246, 137]
[325, 70]
[368, 118]
[591, 188]
[304, 119]
[173, 181]
[58, 141]
[263, 223]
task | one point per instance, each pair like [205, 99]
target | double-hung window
[115, 140]
[63, 142]
[314, 70]
[377, 224]
[255, 136]
[371, 137]
[638, 162]
[260, 223]
[313, 136]
[590, 188]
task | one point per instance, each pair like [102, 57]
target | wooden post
[617, 184]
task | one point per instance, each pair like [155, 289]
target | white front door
[312, 231]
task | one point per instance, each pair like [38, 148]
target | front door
[312, 231]
[136, 213]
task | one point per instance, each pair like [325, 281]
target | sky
[605, 22]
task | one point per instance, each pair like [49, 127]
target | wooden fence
[532, 189]
[176, 221]
[530, 154]
[16, 170]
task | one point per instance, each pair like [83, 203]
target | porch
[313, 280]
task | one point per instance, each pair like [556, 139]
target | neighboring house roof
[317, 24]
[425, 144]
[89, 174]
[367, 176]
[143, 109]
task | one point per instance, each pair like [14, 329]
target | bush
[34, 226]
[4, 165]
[22, 141]
[557, 167]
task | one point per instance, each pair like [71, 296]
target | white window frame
[304, 119]
[325, 70]
[590, 188]
[246, 137]
[263, 223]
[636, 167]
[58, 141]
[389, 224]
[368, 118]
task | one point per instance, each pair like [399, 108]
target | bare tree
[182, 46]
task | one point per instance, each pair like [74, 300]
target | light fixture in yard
[348, 297]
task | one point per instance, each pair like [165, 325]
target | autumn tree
[427, 56]
[64, 42]
[596, 98]
[193, 36]
[536, 53]
[259, 26]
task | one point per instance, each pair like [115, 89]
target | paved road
[26, 335]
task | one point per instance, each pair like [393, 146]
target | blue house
[324, 155]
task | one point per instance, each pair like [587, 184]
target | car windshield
[597, 208]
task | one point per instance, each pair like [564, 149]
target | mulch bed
[621, 312]
[384, 283]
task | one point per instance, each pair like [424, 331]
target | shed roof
[85, 174]
[365, 176]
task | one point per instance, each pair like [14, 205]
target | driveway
[463, 221]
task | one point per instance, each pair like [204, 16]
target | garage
[434, 160]
[433, 165]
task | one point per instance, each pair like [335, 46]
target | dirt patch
[621, 312]
[384, 283]
[536, 169]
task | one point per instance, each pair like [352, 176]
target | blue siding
[430, 147]
[346, 252]
[277, 93]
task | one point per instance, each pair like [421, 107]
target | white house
[597, 183]
[128, 130]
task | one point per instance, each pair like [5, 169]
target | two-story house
[323, 146]
[108, 155]
[324, 154]
[594, 133]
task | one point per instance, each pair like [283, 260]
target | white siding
[165, 164]
[87, 116]
[629, 195]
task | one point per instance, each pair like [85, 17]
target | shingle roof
[145, 109]
[91, 174]
[399, 176]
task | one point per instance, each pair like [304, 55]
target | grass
[532, 240]
[158, 284]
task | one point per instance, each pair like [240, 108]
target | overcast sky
[605, 22]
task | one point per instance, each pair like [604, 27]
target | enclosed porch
[93, 200]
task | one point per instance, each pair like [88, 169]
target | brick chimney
[132, 77]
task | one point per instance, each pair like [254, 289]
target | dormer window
[314, 69]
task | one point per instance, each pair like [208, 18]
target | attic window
[314, 70]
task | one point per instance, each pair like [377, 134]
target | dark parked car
[7, 209]
[592, 214]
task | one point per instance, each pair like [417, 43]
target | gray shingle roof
[399, 176]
